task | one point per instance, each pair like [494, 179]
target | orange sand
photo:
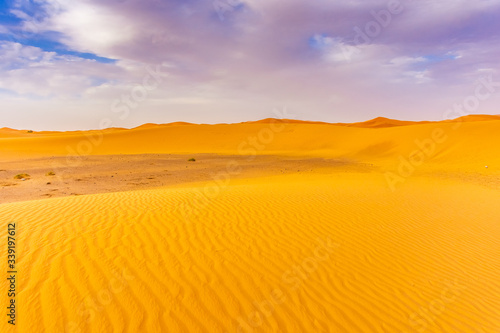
[400, 233]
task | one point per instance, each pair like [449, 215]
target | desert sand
[277, 226]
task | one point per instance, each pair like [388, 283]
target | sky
[89, 64]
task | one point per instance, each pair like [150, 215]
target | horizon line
[283, 120]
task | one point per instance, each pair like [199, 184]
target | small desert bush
[21, 176]
[191, 160]
[30, 131]
[50, 173]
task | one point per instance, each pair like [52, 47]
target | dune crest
[461, 142]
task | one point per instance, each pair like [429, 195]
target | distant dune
[275, 226]
[380, 140]
[378, 122]
[385, 122]
[478, 117]
[285, 121]
[151, 125]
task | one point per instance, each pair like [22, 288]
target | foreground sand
[330, 248]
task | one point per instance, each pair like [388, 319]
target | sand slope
[343, 253]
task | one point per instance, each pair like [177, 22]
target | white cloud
[254, 60]
[405, 61]
[418, 77]
[90, 27]
[28, 70]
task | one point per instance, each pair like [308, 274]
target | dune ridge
[462, 144]
[378, 122]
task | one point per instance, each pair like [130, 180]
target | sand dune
[160, 260]
[478, 117]
[242, 245]
[381, 122]
[462, 142]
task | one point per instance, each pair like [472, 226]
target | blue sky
[47, 41]
[78, 64]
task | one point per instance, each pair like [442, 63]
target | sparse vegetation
[191, 160]
[50, 173]
[30, 131]
[21, 176]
